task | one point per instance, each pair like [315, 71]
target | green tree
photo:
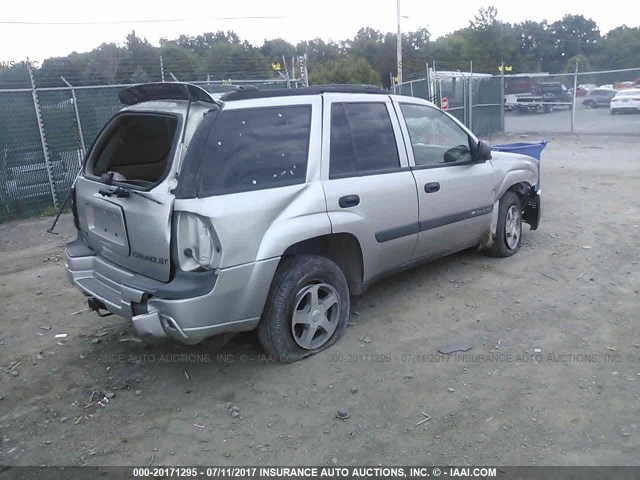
[583, 64]
[274, 50]
[139, 54]
[536, 47]
[488, 41]
[574, 35]
[349, 71]
[70, 67]
[318, 51]
[102, 65]
[619, 49]
[182, 62]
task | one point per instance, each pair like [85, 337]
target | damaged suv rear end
[123, 209]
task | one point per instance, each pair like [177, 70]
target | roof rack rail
[246, 93]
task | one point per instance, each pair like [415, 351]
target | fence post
[470, 95]
[161, 69]
[75, 108]
[43, 139]
[293, 72]
[573, 104]
[502, 100]
[286, 72]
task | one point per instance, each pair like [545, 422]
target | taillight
[196, 243]
[74, 208]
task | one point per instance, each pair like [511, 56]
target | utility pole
[399, 48]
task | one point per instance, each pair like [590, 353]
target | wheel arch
[521, 189]
[342, 248]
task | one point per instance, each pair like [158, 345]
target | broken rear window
[136, 147]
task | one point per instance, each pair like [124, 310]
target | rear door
[123, 202]
[369, 189]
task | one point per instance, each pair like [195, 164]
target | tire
[503, 244]
[591, 104]
[300, 282]
[612, 112]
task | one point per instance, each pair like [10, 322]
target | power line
[126, 22]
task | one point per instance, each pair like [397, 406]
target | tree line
[369, 57]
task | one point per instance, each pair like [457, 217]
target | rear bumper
[191, 307]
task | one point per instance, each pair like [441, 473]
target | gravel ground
[552, 376]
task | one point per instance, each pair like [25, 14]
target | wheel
[307, 309]
[509, 229]
[612, 112]
[591, 104]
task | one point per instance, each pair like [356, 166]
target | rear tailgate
[133, 232]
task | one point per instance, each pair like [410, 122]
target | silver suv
[268, 209]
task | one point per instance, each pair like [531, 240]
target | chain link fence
[584, 108]
[474, 99]
[533, 103]
[44, 133]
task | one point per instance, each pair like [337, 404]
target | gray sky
[327, 19]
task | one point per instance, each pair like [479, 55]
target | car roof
[252, 93]
[632, 91]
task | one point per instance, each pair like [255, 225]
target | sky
[299, 20]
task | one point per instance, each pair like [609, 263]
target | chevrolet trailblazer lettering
[150, 258]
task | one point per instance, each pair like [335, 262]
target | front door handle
[349, 201]
[432, 187]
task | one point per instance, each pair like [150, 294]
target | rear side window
[362, 140]
[256, 148]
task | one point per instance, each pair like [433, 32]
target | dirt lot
[572, 292]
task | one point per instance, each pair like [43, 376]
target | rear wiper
[120, 192]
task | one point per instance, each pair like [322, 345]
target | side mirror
[483, 151]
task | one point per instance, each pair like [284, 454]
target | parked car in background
[547, 97]
[625, 101]
[584, 89]
[608, 85]
[600, 97]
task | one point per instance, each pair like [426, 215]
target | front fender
[514, 177]
[512, 168]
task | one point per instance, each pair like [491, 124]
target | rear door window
[256, 148]
[362, 140]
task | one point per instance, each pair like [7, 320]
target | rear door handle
[349, 201]
[432, 187]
